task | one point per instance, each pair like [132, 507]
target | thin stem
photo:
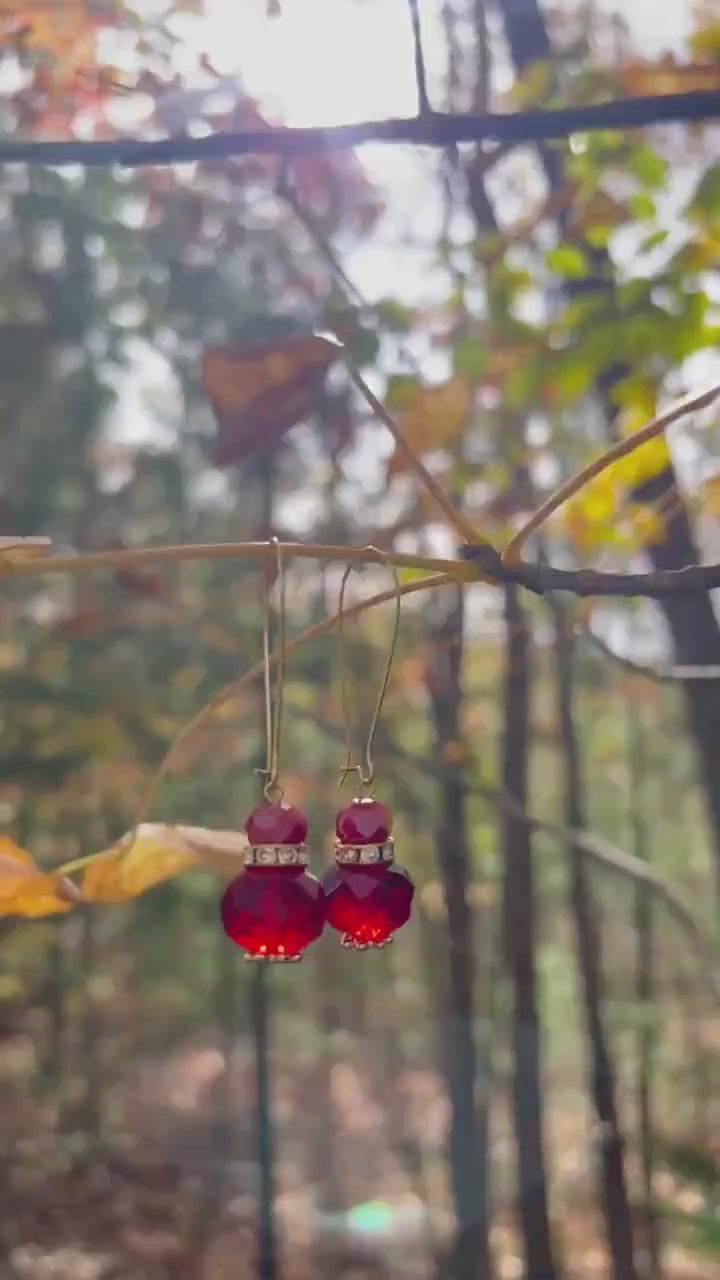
[424, 107]
[512, 556]
[453, 515]
[98, 560]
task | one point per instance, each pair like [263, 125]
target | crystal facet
[276, 824]
[275, 912]
[363, 821]
[368, 904]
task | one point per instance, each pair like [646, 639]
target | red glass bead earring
[368, 897]
[274, 909]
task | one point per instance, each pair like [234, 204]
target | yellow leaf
[127, 870]
[430, 417]
[27, 891]
[158, 852]
[647, 525]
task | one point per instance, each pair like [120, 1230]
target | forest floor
[166, 1193]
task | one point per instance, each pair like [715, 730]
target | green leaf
[469, 358]
[648, 167]
[569, 261]
[399, 386]
[394, 315]
[642, 206]
[705, 201]
[653, 241]
[599, 235]
[573, 376]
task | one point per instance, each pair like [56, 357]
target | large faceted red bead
[368, 904]
[363, 821]
[273, 911]
[276, 824]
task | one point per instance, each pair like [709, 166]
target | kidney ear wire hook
[272, 790]
[364, 771]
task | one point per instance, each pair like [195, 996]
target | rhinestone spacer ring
[276, 855]
[364, 855]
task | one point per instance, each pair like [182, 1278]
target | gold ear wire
[272, 791]
[365, 772]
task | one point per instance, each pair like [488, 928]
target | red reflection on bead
[273, 911]
[368, 904]
[276, 824]
[363, 821]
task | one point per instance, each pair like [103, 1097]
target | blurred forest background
[527, 1082]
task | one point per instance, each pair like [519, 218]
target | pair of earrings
[275, 908]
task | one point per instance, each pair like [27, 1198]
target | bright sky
[336, 61]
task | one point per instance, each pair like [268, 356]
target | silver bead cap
[276, 855]
[365, 855]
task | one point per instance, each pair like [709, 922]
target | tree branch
[657, 425]
[13, 565]
[664, 675]
[540, 578]
[436, 130]
[424, 107]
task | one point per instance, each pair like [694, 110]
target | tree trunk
[691, 621]
[469, 1169]
[645, 995]
[613, 1184]
[519, 944]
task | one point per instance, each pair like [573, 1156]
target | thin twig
[436, 130]
[424, 107]
[98, 560]
[511, 556]
[669, 675]
[453, 514]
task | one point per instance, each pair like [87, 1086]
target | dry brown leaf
[27, 891]
[648, 79]
[158, 852]
[430, 417]
[259, 392]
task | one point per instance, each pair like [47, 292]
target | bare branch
[436, 130]
[540, 578]
[93, 561]
[657, 425]
[424, 107]
[663, 675]
[455, 517]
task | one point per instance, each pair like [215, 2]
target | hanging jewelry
[369, 897]
[274, 909]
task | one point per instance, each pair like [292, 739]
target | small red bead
[276, 824]
[363, 821]
[368, 904]
[273, 911]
